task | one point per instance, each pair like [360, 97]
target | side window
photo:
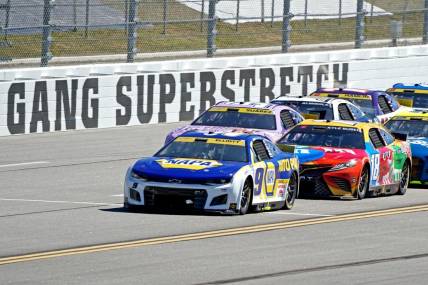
[344, 112]
[357, 113]
[375, 138]
[393, 102]
[260, 150]
[387, 137]
[384, 105]
[271, 148]
[287, 119]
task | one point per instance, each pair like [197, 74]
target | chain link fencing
[40, 31]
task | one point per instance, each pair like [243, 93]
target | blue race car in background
[219, 172]
[415, 96]
[415, 125]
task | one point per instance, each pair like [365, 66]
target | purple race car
[375, 104]
[268, 120]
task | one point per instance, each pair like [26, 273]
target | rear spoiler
[400, 136]
[286, 148]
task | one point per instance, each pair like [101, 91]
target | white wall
[100, 96]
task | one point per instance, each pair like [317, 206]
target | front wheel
[363, 185]
[246, 195]
[293, 188]
[404, 182]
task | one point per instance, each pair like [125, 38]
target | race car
[230, 173]
[375, 104]
[349, 159]
[323, 108]
[415, 96]
[269, 120]
[415, 125]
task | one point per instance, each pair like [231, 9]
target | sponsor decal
[344, 96]
[211, 140]
[288, 164]
[420, 142]
[185, 163]
[241, 110]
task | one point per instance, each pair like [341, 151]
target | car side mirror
[400, 136]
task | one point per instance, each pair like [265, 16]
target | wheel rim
[404, 176]
[363, 182]
[245, 195]
[292, 190]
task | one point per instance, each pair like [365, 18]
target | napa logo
[186, 163]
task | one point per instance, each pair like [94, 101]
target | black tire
[292, 192]
[363, 184]
[405, 177]
[246, 197]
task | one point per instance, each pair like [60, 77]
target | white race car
[323, 108]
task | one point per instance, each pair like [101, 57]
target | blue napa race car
[220, 172]
[415, 124]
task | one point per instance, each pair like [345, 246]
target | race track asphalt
[63, 191]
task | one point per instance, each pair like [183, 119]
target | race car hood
[419, 146]
[271, 134]
[186, 169]
[327, 155]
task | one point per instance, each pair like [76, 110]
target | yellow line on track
[210, 234]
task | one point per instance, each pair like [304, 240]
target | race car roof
[415, 88]
[347, 93]
[250, 105]
[326, 100]
[227, 136]
[339, 123]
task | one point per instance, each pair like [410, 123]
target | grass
[188, 36]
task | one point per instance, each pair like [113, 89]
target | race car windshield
[203, 150]
[237, 120]
[324, 136]
[413, 128]
[310, 110]
[415, 100]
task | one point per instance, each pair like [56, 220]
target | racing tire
[246, 197]
[363, 184]
[292, 192]
[404, 181]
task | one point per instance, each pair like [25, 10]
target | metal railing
[47, 29]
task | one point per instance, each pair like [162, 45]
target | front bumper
[318, 181]
[179, 196]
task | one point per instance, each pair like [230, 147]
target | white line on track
[61, 202]
[24, 163]
[117, 195]
[297, 214]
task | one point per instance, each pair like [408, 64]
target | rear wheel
[363, 185]
[246, 196]
[293, 188]
[404, 182]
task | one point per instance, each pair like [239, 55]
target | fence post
[272, 13]
[212, 32]
[262, 16]
[340, 12]
[46, 34]
[165, 12]
[286, 28]
[132, 31]
[425, 36]
[75, 15]
[359, 25]
[87, 18]
[237, 14]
